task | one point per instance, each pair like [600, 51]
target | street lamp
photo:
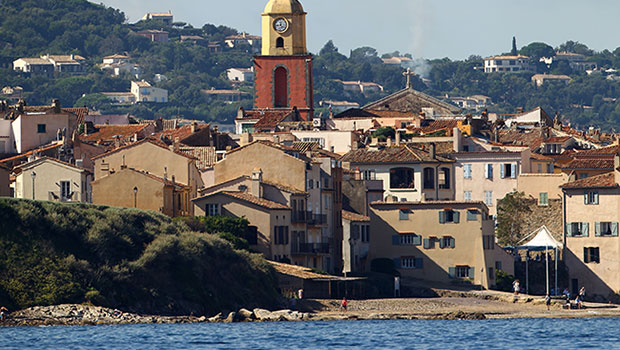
[34, 175]
[135, 197]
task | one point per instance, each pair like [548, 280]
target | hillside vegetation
[129, 259]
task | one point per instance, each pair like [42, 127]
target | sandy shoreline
[454, 305]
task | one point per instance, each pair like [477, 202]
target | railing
[317, 219]
[310, 248]
[299, 217]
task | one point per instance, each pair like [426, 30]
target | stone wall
[550, 216]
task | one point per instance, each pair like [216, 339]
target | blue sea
[601, 333]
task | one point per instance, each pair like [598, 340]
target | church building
[284, 68]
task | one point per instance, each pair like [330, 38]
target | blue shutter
[457, 217]
[442, 217]
[585, 198]
[452, 243]
[452, 272]
[427, 243]
[397, 263]
[490, 171]
[472, 272]
[395, 240]
[614, 229]
[417, 240]
[472, 215]
[513, 173]
[501, 171]
[597, 229]
[486, 171]
[441, 243]
[419, 263]
[569, 229]
[585, 227]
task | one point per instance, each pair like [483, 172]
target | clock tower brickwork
[284, 68]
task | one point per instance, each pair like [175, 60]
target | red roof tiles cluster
[600, 181]
[244, 196]
[396, 154]
[107, 133]
[347, 215]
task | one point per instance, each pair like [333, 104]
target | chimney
[56, 105]
[433, 151]
[276, 139]
[246, 139]
[456, 140]
[117, 142]
[397, 137]
[389, 142]
[358, 174]
[257, 179]
[194, 127]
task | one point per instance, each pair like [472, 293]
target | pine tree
[514, 51]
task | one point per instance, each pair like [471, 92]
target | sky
[425, 28]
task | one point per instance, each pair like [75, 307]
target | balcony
[317, 219]
[310, 248]
[299, 217]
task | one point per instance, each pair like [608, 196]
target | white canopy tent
[543, 239]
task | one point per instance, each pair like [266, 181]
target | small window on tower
[279, 42]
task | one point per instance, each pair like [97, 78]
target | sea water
[582, 333]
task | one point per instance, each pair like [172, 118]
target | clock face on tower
[280, 25]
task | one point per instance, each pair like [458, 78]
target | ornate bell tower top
[284, 29]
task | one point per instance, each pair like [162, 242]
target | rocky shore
[452, 306]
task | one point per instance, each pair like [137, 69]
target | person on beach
[3, 312]
[516, 287]
[582, 293]
[343, 305]
[548, 302]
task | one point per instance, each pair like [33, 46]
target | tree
[514, 50]
[328, 48]
[537, 50]
[575, 47]
[511, 212]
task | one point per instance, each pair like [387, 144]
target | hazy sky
[425, 28]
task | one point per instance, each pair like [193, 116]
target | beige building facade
[49, 179]
[442, 242]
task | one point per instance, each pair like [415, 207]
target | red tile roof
[347, 215]
[31, 152]
[607, 164]
[206, 157]
[396, 154]
[181, 133]
[109, 132]
[271, 120]
[394, 114]
[558, 139]
[244, 196]
[600, 181]
[605, 151]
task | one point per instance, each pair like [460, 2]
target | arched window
[280, 87]
[401, 178]
[279, 43]
[429, 178]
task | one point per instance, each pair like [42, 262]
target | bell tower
[284, 68]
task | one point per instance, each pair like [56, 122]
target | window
[591, 198]
[429, 243]
[281, 87]
[467, 171]
[401, 178]
[403, 214]
[583, 176]
[606, 229]
[212, 209]
[498, 265]
[280, 42]
[444, 178]
[488, 198]
[543, 199]
[369, 175]
[310, 184]
[429, 178]
[280, 235]
[65, 190]
[591, 255]
[410, 262]
[508, 171]
[41, 128]
[461, 272]
[355, 232]
[491, 273]
[488, 171]
[365, 233]
[467, 195]
[446, 216]
[577, 229]
[410, 239]
[488, 242]
[540, 170]
[550, 168]
[446, 242]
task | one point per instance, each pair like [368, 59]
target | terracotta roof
[42, 159]
[531, 138]
[306, 146]
[109, 132]
[394, 114]
[270, 120]
[590, 164]
[607, 151]
[437, 125]
[600, 181]
[80, 112]
[356, 113]
[36, 60]
[558, 139]
[29, 153]
[289, 189]
[347, 215]
[538, 156]
[182, 133]
[244, 196]
[396, 154]
[206, 157]
[443, 148]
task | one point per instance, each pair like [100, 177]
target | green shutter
[442, 217]
[397, 263]
[501, 171]
[597, 229]
[395, 240]
[427, 243]
[472, 271]
[585, 227]
[457, 217]
[614, 229]
[452, 243]
[419, 263]
[452, 272]
[417, 240]
[569, 229]
[472, 215]
[441, 243]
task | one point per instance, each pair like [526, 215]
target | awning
[542, 239]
